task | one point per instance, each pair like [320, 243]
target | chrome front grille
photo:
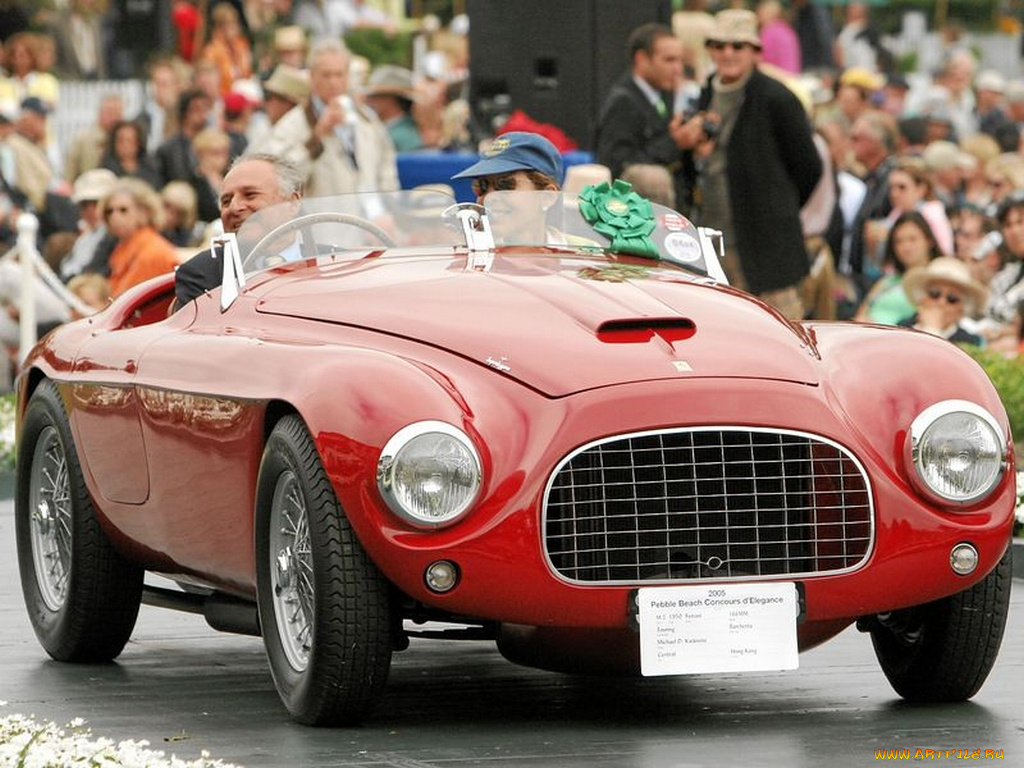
[706, 503]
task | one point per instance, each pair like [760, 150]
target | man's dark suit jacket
[631, 131]
[201, 273]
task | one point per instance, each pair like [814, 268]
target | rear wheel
[944, 651]
[82, 596]
[324, 606]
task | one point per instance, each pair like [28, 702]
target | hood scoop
[644, 329]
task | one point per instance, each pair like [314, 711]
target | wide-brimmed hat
[288, 82]
[945, 155]
[517, 151]
[93, 185]
[735, 25]
[945, 269]
[391, 80]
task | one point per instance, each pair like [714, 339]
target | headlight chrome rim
[918, 451]
[461, 456]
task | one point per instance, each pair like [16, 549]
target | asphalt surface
[186, 688]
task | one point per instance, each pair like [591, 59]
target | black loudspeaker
[553, 59]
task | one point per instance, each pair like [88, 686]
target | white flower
[29, 744]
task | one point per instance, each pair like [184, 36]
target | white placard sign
[690, 630]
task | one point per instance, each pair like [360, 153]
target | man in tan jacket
[339, 146]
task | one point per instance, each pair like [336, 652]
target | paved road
[185, 688]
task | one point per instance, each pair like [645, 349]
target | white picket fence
[80, 101]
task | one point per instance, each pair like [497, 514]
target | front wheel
[324, 607]
[944, 651]
[82, 596]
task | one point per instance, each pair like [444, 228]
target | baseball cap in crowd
[35, 104]
[734, 25]
[93, 185]
[288, 82]
[517, 151]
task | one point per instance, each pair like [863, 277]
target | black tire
[82, 596]
[944, 651]
[325, 610]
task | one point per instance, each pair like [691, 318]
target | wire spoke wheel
[292, 570]
[50, 530]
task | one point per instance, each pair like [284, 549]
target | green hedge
[1007, 376]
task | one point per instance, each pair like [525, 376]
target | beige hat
[93, 185]
[735, 25]
[288, 82]
[289, 38]
[945, 269]
[865, 79]
[945, 155]
[990, 80]
[391, 80]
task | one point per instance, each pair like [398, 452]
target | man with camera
[640, 122]
[754, 175]
[338, 145]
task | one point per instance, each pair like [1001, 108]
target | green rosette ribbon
[620, 214]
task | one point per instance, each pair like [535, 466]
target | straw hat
[391, 80]
[735, 25]
[945, 269]
[288, 81]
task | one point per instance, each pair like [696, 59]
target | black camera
[710, 128]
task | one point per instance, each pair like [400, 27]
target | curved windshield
[371, 222]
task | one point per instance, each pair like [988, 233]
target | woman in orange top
[228, 48]
[133, 214]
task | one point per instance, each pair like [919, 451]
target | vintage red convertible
[549, 423]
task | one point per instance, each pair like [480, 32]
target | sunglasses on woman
[485, 184]
[951, 298]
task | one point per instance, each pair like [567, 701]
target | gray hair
[326, 45]
[289, 177]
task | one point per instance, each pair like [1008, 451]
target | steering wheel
[309, 220]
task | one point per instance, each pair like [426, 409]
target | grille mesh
[705, 504]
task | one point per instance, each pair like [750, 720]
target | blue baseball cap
[517, 151]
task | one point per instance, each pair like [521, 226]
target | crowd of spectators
[913, 171]
[137, 192]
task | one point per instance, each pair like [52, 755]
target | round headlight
[958, 451]
[429, 473]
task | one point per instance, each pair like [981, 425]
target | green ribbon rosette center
[620, 214]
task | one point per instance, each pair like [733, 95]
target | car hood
[559, 325]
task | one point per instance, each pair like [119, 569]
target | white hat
[93, 185]
[990, 80]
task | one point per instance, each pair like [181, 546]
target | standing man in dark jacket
[637, 124]
[758, 169]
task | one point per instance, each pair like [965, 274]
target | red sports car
[549, 422]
